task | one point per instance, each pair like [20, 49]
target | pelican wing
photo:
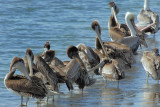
[130, 41]
[118, 50]
[100, 55]
[31, 88]
[118, 69]
[157, 62]
[57, 62]
[72, 70]
[116, 34]
[44, 68]
[93, 59]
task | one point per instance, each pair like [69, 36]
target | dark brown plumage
[89, 57]
[24, 85]
[84, 79]
[46, 47]
[44, 68]
[71, 72]
[114, 50]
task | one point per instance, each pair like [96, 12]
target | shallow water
[30, 23]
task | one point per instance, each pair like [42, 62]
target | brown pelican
[118, 51]
[49, 57]
[113, 20]
[24, 85]
[84, 79]
[118, 31]
[46, 47]
[111, 70]
[50, 82]
[74, 71]
[89, 57]
[151, 63]
[148, 21]
[56, 61]
[28, 60]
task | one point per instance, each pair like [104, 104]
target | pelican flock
[42, 74]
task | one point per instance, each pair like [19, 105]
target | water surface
[30, 23]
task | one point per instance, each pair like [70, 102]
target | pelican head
[30, 58]
[46, 46]
[114, 6]
[30, 53]
[15, 61]
[81, 47]
[156, 51]
[129, 18]
[18, 63]
[96, 27]
[49, 55]
[72, 51]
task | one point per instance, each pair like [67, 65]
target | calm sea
[30, 23]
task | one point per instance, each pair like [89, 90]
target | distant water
[30, 23]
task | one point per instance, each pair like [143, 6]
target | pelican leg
[82, 92]
[105, 83]
[21, 100]
[58, 85]
[47, 99]
[71, 92]
[27, 100]
[147, 77]
[118, 84]
[53, 98]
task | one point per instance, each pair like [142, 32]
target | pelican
[118, 51]
[28, 60]
[113, 20]
[49, 81]
[122, 35]
[148, 21]
[49, 57]
[56, 61]
[111, 70]
[151, 63]
[46, 47]
[24, 85]
[75, 70]
[84, 80]
[89, 57]
[118, 31]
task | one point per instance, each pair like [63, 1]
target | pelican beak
[115, 16]
[99, 37]
[30, 63]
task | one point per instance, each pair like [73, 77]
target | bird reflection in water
[151, 95]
